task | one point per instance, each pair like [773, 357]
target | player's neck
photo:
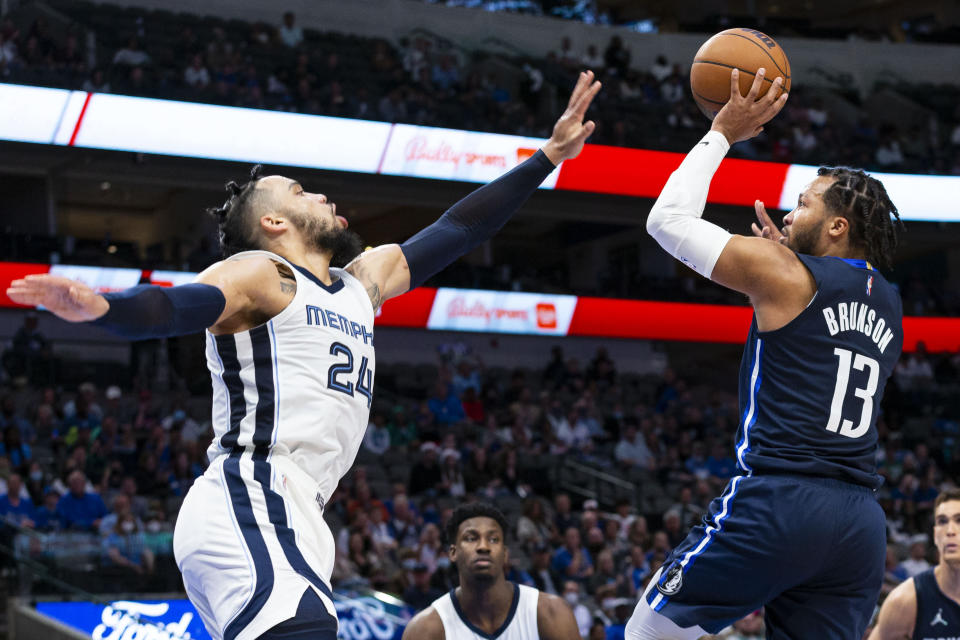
[948, 578]
[313, 261]
[486, 606]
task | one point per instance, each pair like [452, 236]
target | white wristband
[675, 220]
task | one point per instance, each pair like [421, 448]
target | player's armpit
[555, 619]
[426, 625]
[251, 286]
[383, 271]
[898, 614]
[778, 283]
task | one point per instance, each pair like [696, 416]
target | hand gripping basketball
[743, 117]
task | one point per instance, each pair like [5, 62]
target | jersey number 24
[364, 385]
[837, 423]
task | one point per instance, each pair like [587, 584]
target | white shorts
[250, 539]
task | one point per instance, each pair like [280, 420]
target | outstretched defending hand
[743, 117]
[571, 131]
[766, 229]
[68, 299]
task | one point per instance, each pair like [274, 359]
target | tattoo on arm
[360, 272]
[288, 282]
[373, 290]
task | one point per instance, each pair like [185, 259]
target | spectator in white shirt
[632, 451]
[290, 33]
[196, 75]
[131, 55]
[917, 562]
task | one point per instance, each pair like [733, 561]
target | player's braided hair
[863, 201]
[474, 510]
[233, 216]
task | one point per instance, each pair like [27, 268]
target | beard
[342, 244]
[804, 241]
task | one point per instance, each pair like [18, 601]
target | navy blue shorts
[809, 549]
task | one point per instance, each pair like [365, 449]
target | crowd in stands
[103, 470]
[427, 80]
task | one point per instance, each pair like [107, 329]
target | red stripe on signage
[10, 271]
[642, 173]
[83, 112]
[660, 320]
[412, 309]
[937, 334]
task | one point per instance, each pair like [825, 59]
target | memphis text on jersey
[320, 316]
[856, 316]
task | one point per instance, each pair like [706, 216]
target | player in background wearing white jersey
[928, 605]
[291, 401]
[485, 605]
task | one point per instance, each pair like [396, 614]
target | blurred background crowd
[599, 471]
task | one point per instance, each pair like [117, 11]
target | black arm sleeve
[148, 311]
[474, 219]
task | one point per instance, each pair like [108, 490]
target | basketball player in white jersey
[927, 606]
[289, 341]
[485, 605]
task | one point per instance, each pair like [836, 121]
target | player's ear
[838, 226]
[452, 553]
[273, 223]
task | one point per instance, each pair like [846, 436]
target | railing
[591, 483]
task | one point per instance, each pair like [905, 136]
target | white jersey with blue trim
[301, 385]
[520, 623]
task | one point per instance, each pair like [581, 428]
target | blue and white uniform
[291, 403]
[799, 531]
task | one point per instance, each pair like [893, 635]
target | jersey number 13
[837, 423]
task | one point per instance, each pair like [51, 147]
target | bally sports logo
[506, 312]
[419, 149]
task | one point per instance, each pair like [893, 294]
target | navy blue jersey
[938, 617]
[811, 390]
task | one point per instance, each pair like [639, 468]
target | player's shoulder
[555, 617]
[241, 267]
[426, 625]
[903, 599]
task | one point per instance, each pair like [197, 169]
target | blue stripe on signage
[250, 530]
[226, 346]
[263, 376]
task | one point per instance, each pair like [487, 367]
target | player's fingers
[774, 91]
[583, 81]
[757, 82]
[735, 84]
[762, 214]
[779, 104]
[585, 99]
[588, 128]
[757, 231]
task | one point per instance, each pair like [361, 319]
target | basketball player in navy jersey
[799, 531]
[927, 606]
[289, 344]
[486, 605]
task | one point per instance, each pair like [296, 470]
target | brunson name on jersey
[856, 316]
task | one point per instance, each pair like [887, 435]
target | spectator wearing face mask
[571, 593]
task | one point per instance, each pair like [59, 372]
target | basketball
[740, 48]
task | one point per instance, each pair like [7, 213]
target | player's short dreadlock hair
[233, 217]
[474, 510]
[863, 201]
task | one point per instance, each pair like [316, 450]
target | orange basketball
[743, 49]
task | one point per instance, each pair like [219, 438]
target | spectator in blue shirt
[79, 509]
[47, 518]
[445, 405]
[16, 509]
[13, 448]
[572, 561]
[720, 464]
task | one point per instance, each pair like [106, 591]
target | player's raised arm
[754, 266]
[149, 311]
[391, 270]
[555, 619]
[898, 614]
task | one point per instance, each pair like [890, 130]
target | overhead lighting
[112, 248]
